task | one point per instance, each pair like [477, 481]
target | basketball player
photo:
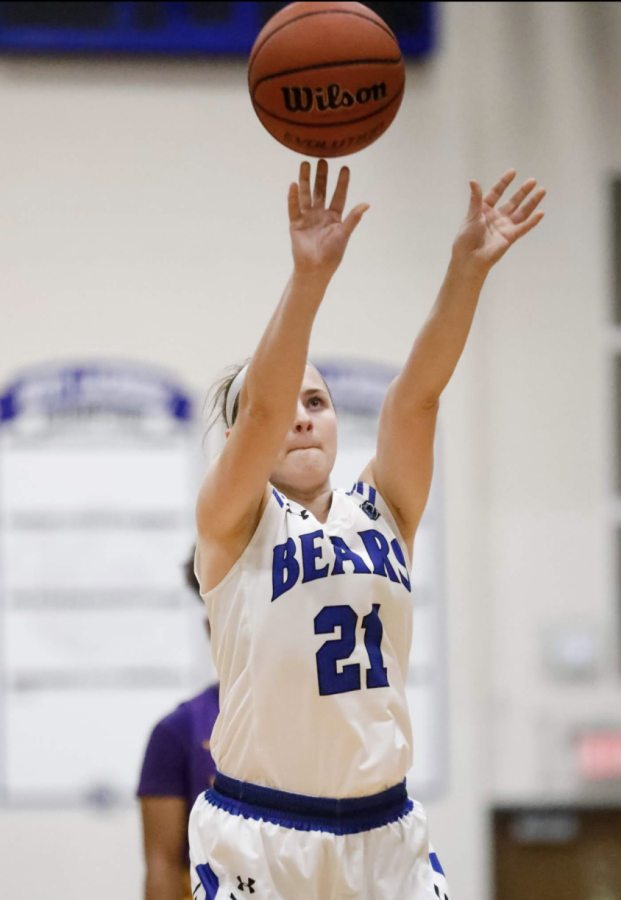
[177, 767]
[308, 589]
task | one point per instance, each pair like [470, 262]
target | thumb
[476, 200]
[353, 219]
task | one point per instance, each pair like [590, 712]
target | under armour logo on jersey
[246, 884]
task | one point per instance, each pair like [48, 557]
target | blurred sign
[51, 399]
[95, 523]
[358, 390]
[207, 28]
[599, 755]
[545, 827]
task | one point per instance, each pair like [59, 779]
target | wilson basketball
[326, 79]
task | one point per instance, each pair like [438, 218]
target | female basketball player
[308, 589]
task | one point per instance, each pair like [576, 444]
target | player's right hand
[319, 236]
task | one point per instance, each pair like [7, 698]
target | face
[308, 453]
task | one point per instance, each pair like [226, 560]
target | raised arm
[403, 466]
[234, 492]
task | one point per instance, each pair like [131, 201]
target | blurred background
[143, 246]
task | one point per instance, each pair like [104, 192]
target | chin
[308, 475]
[304, 478]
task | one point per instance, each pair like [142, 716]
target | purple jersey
[178, 762]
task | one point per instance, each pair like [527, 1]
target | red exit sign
[599, 754]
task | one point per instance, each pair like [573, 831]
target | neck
[317, 501]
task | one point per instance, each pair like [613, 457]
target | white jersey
[311, 632]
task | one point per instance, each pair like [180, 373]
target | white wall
[549, 564]
[143, 215]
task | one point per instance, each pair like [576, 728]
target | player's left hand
[488, 231]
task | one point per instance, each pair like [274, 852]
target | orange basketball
[326, 79]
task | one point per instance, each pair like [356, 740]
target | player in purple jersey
[177, 767]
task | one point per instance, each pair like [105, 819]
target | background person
[177, 767]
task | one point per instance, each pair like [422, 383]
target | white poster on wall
[100, 636]
[96, 520]
[358, 390]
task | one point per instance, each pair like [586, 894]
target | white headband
[235, 389]
[233, 394]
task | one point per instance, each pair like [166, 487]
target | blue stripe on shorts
[435, 864]
[208, 880]
[302, 813]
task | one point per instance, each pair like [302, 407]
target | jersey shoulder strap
[371, 502]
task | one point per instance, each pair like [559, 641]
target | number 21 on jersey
[331, 681]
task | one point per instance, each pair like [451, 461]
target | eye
[316, 402]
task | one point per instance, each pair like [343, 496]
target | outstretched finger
[293, 202]
[495, 193]
[521, 214]
[353, 219]
[529, 224]
[508, 208]
[321, 183]
[339, 197]
[304, 192]
[476, 200]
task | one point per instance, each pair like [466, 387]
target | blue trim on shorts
[209, 881]
[302, 813]
[435, 864]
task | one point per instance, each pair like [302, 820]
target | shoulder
[208, 699]
[211, 695]
[366, 496]
[173, 727]
[164, 765]
[173, 733]
[216, 561]
[205, 705]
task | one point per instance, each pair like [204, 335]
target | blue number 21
[331, 681]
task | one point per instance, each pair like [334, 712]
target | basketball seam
[327, 65]
[330, 124]
[320, 12]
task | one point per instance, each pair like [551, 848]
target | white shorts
[248, 840]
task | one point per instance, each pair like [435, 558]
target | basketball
[326, 79]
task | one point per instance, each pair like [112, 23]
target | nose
[303, 422]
